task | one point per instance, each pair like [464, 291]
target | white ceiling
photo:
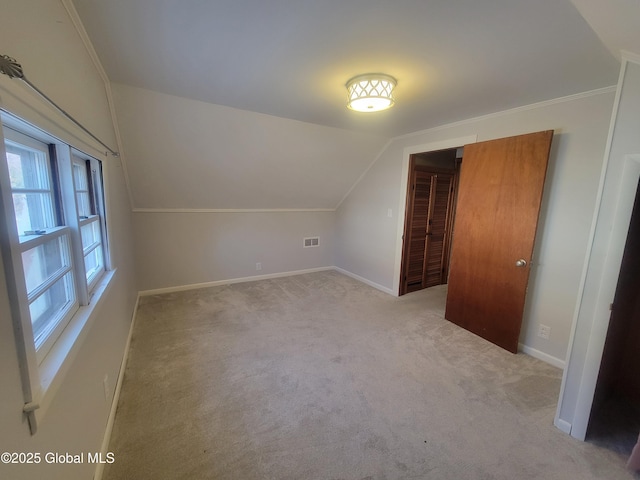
[617, 23]
[291, 58]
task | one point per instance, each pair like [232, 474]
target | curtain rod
[10, 67]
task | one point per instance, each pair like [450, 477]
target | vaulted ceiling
[291, 58]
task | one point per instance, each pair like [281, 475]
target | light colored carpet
[318, 376]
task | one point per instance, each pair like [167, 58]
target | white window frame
[95, 192]
[43, 369]
[28, 242]
[64, 317]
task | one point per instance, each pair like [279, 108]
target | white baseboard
[116, 396]
[556, 362]
[364, 280]
[194, 286]
[563, 425]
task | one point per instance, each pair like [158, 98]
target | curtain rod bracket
[11, 68]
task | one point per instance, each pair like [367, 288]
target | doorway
[487, 270]
[429, 214]
[615, 417]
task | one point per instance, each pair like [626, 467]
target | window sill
[59, 360]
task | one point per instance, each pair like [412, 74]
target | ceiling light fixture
[371, 92]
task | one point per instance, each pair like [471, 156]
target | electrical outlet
[259, 266]
[544, 331]
[389, 213]
[107, 388]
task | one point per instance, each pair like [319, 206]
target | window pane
[34, 211]
[49, 308]
[93, 263]
[43, 261]
[27, 168]
[80, 177]
[90, 234]
[81, 184]
[30, 182]
[87, 183]
[84, 205]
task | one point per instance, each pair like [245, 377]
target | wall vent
[311, 242]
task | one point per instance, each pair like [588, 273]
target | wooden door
[429, 218]
[499, 197]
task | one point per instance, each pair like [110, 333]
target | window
[55, 249]
[87, 182]
[44, 240]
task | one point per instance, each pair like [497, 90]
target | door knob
[521, 263]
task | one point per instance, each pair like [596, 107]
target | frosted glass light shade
[371, 92]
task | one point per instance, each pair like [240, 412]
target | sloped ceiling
[617, 23]
[284, 64]
[291, 58]
[186, 154]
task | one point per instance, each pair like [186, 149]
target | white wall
[367, 240]
[217, 190]
[189, 154]
[41, 36]
[177, 249]
[620, 181]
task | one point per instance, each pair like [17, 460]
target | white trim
[627, 190]
[355, 184]
[116, 129]
[77, 23]
[545, 357]
[216, 283]
[375, 285]
[404, 182]
[27, 242]
[79, 26]
[19, 305]
[230, 210]
[116, 395]
[34, 114]
[589, 250]
[563, 426]
[194, 286]
[630, 56]
[524, 108]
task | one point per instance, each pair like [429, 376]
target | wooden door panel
[500, 191]
[417, 233]
[433, 263]
[437, 230]
[427, 237]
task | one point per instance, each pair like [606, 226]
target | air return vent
[311, 242]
